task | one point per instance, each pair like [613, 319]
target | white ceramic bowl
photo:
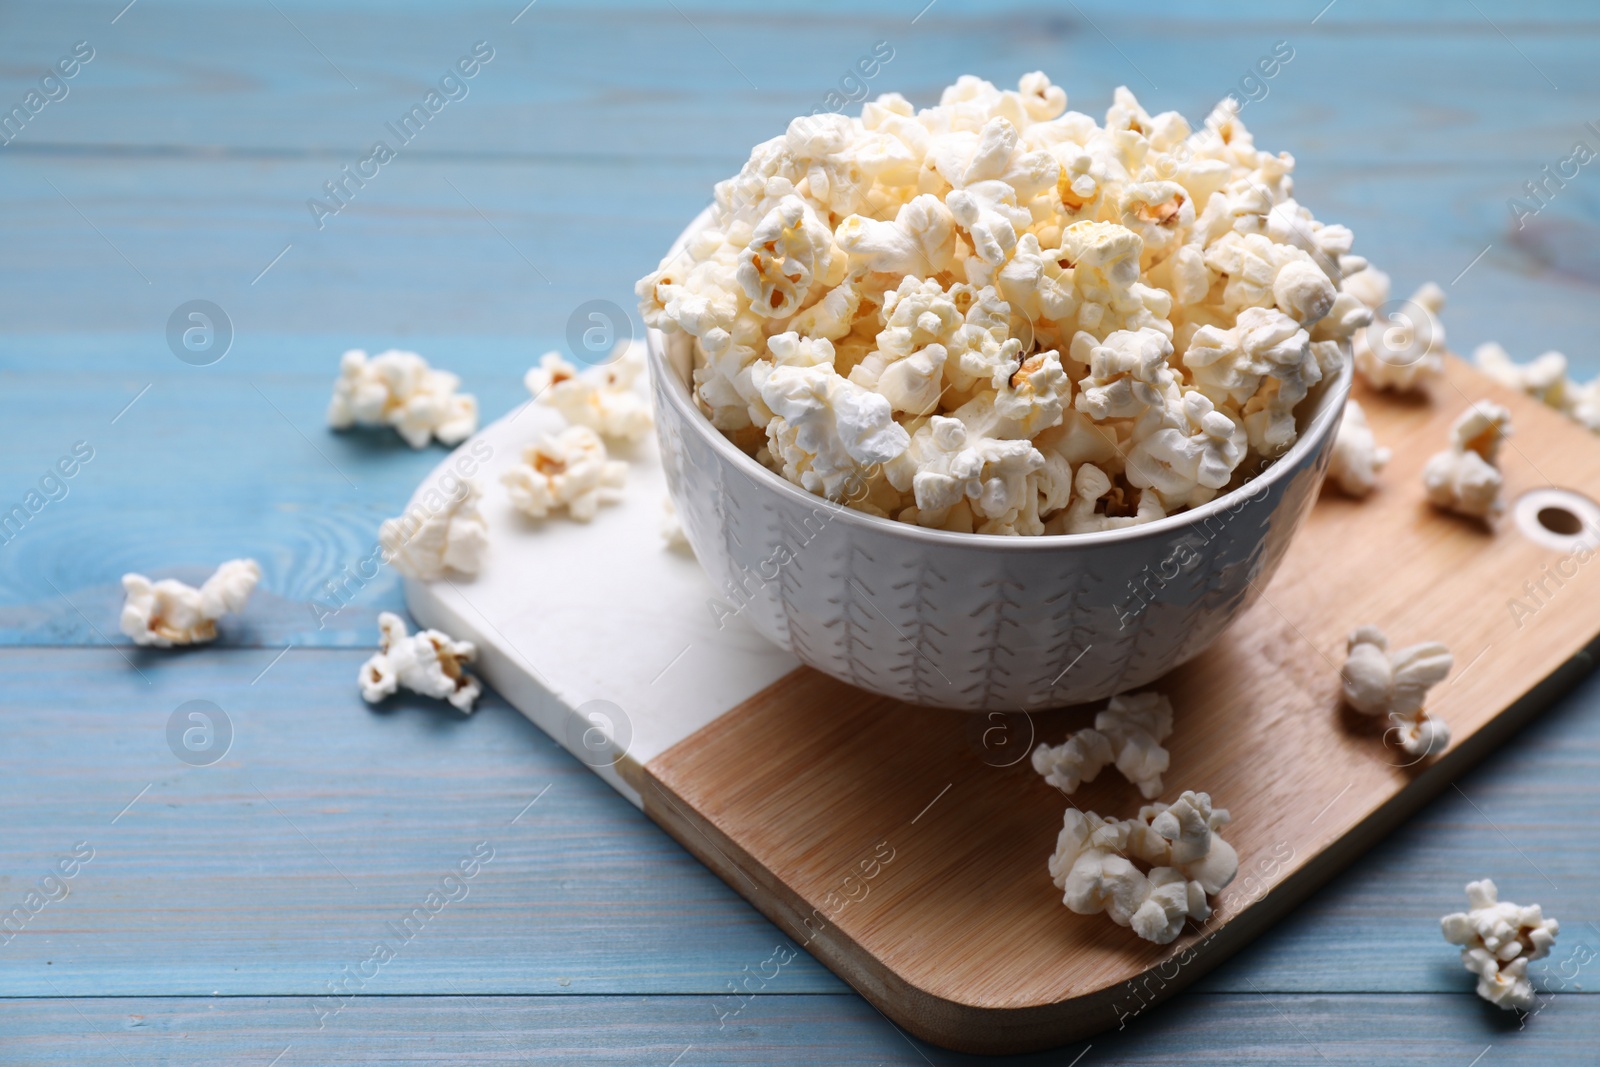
[973, 621]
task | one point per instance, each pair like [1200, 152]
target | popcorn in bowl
[1001, 317]
[866, 386]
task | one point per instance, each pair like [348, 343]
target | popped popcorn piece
[1498, 940]
[1093, 497]
[567, 470]
[428, 662]
[1357, 457]
[1093, 864]
[1404, 349]
[604, 399]
[1228, 365]
[986, 478]
[1090, 866]
[1544, 379]
[169, 612]
[1192, 455]
[1139, 297]
[399, 389]
[826, 428]
[1379, 682]
[1463, 478]
[1183, 835]
[921, 240]
[672, 525]
[1583, 404]
[788, 250]
[430, 539]
[1127, 733]
[1128, 376]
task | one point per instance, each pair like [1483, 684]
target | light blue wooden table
[220, 903]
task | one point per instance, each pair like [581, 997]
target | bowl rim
[1336, 393]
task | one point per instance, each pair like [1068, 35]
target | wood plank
[327, 820]
[965, 942]
[1268, 1029]
[717, 78]
[202, 887]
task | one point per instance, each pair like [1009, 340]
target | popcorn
[1187, 463]
[1379, 682]
[1128, 733]
[788, 250]
[603, 399]
[1229, 365]
[1128, 374]
[672, 525]
[168, 612]
[1403, 350]
[1263, 367]
[427, 541]
[1356, 458]
[920, 241]
[907, 367]
[826, 428]
[1139, 298]
[399, 389]
[1183, 835]
[1093, 497]
[1545, 379]
[1583, 404]
[985, 477]
[1463, 478]
[428, 662]
[566, 470]
[1093, 864]
[1498, 940]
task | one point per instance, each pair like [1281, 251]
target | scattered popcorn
[1498, 940]
[1545, 379]
[568, 470]
[1127, 733]
[604, 398]
[425, 542]
[1002, 317]
[1183, 835]
[427, 662]
[1379, 682]
[1093, 865]
[1583, 404]
[1403, 350]
[169, 612]
[1463, 478]
[399, 389]
[1356, 458]
[672, 525]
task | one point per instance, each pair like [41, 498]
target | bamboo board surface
[906, 848]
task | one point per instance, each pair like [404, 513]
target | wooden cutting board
[906, 848]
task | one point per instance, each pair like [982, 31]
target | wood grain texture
[1232, 1030]
[275, 868]
[201, 887]
[797, 796]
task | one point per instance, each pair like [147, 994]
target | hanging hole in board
[1559, 519]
